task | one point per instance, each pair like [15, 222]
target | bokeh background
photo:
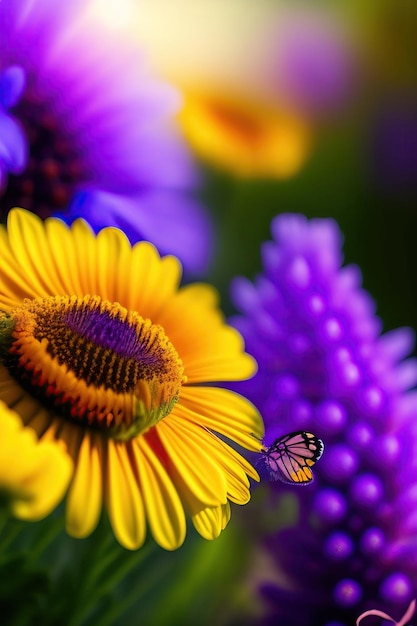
[341, 80]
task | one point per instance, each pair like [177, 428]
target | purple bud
[330, 417]
[347, 593]
[408, 498]
[396, 588]
[371, 400]
[301, 413]
[366, 491]
[360, 436]
[343, 354]
[330, 506]
[372, 541]
[298, 273]
[338, 546]
[286, 386]
[331, 330]
[339, 464]
[397, 344]
[385, 451]
[350, 374]
[316, 305]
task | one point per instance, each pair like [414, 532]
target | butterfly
[291, 457]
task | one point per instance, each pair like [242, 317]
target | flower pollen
[93, 361]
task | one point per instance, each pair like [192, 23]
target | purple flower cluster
[324, 367]
[86, 131]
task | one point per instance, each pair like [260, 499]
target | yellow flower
[248, 138]
[102, 350]
[33, 475]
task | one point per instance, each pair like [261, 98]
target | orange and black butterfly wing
[290, 458]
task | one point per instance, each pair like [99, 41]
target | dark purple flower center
[54, 167]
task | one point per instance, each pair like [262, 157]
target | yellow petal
[163, 506]
[113, 253]
[155, 281]
[209, 349]
[226, 514]
[197, 476]
[234, 467]
[14, 285]
[29, 245]
[86, 493]
[88, 267]
[33, 474]
[123, 498]
[209, 522]
[66, 252]
[224, 412]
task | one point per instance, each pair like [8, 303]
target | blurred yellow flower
[34, 475]
[102, 351]
[247, 138]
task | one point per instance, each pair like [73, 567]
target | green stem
[46, 535]
[116, 567]
[9, 533]
[4, 518]
[119, 608]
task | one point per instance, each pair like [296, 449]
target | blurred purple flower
[314, 61]
[324, 367]
[85, 130]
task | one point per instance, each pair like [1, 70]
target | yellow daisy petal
[209, 522]
[85, 496]
[65, 247]
[234, 467]
[214, 356]
[226, 514]
[88, 268]
[111, 244]
[124, 500]
[155, 279]
[13, 279]
[238, 419]
[191, 465]
[164, 509]
[28, 242]
[33, 475]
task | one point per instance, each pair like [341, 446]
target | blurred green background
[355, 89]
[379, 227]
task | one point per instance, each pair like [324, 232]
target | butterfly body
[290, 458]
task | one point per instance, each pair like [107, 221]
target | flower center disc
[54, 167]
[93, 362]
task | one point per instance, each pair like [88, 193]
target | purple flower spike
[87, 131]
[324, 367]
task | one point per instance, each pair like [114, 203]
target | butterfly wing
[290, 458]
